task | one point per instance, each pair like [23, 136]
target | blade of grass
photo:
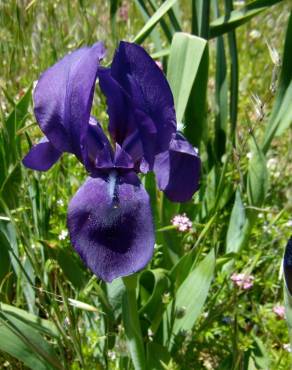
[238, 17]
[156, 17]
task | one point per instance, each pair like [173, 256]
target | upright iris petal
[110, 225]
[143, 80]
[63, 98]
[140, 102]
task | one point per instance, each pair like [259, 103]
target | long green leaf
[221, 95]
[191, 296]
[156, 17]
[153, 308]
[41, 325]
[155, 36]
[238, 17]
[258, 178]
[157, 356]
[132, 324]
[23, 342]
[238, 229]
[281, 116]
[185, 57]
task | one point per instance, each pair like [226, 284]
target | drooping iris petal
[135, 76]
[63, 98]
[178, 170]
[42, 156]
[110, 225]
[287, 265]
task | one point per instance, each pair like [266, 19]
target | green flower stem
[132, 323]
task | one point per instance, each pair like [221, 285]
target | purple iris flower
[109, 218]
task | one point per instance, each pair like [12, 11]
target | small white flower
[67, 322]
[287, 347]
[254, 34]
[260, 215]
[249, 155]
[272, 164]
[150, 334]
[63, 235]
[289, 223]
[60, 202]
[112, 355]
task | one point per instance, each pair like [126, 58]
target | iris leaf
[41, 325]
[185, 57]
[281, 116]
[156, 17]
[238, 229]
[238, 17]
[153, 308]
[258, 177]
[157, 356]
[21, 340]
[191, 297]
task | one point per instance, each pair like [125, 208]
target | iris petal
[120, 109]
[135, 87]
[42, 156]
[96, 151]
[287, 265]
[178, 170]
[63, 98]
[110, 225]
[129, 126]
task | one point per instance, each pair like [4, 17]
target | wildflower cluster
[242, 281]
[182, 222]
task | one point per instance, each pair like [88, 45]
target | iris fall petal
[110, 225]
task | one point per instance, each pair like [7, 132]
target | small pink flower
[279, 311]
[182, 222]
[243, 281]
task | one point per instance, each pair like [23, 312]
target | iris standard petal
[42, 156]
[63, 97]
[96, 151]
[129, 126]
[120, 109]
[178, 170]
[110, 225]
[148, 88]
